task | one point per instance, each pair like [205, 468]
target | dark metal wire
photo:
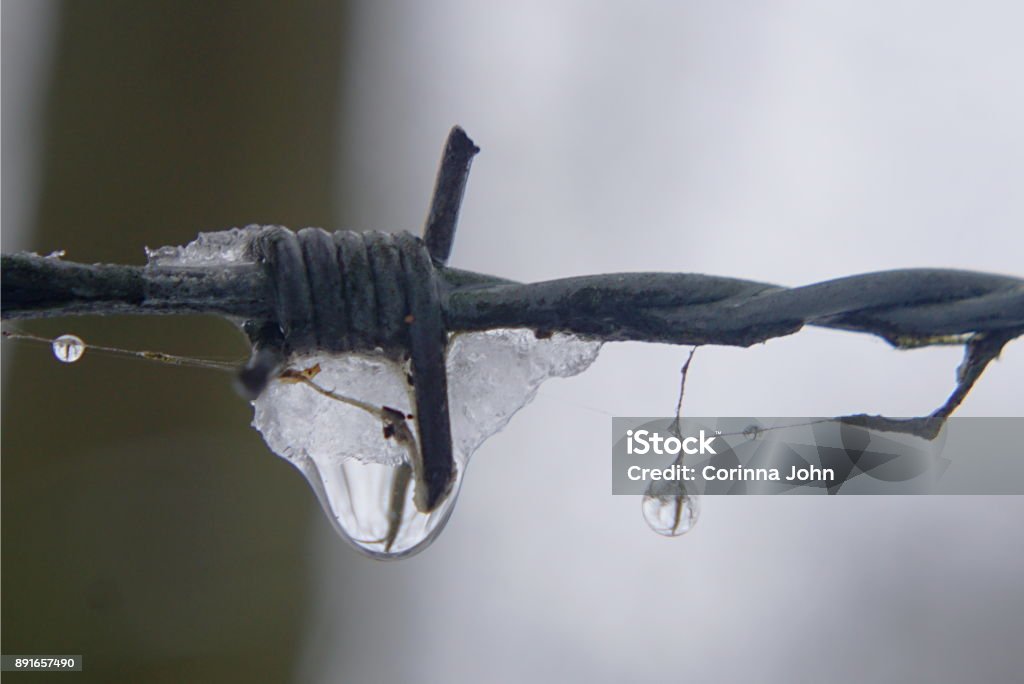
[351, 290]
[905, 307]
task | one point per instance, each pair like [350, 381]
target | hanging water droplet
[68, 348]
[359, 473]
[669, 510]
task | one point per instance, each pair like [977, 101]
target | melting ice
[341, 449]
[353, 468]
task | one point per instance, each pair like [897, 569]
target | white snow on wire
[222, 247]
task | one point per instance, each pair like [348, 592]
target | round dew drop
[68, 348]
[671, 515]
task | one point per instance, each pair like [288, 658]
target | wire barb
[449, 188]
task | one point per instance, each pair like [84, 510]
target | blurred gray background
[145, 524]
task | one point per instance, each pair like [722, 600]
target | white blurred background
[787, 142]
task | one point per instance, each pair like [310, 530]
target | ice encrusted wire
[342, 450]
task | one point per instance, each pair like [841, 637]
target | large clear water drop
[361, 476]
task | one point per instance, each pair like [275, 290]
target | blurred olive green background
[145, 525]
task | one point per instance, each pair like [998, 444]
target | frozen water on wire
[342, 451]
[493, 374]
[222, 247]
[295, 420]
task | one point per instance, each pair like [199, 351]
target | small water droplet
[752, 432]
[671, 514]
[68, 348]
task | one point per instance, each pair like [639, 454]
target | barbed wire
[363, 291]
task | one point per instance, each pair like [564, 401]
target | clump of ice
[295, 420]
[221, 247]
[342, 451]
[493, 374]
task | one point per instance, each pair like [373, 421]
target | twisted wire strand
[901, 306]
